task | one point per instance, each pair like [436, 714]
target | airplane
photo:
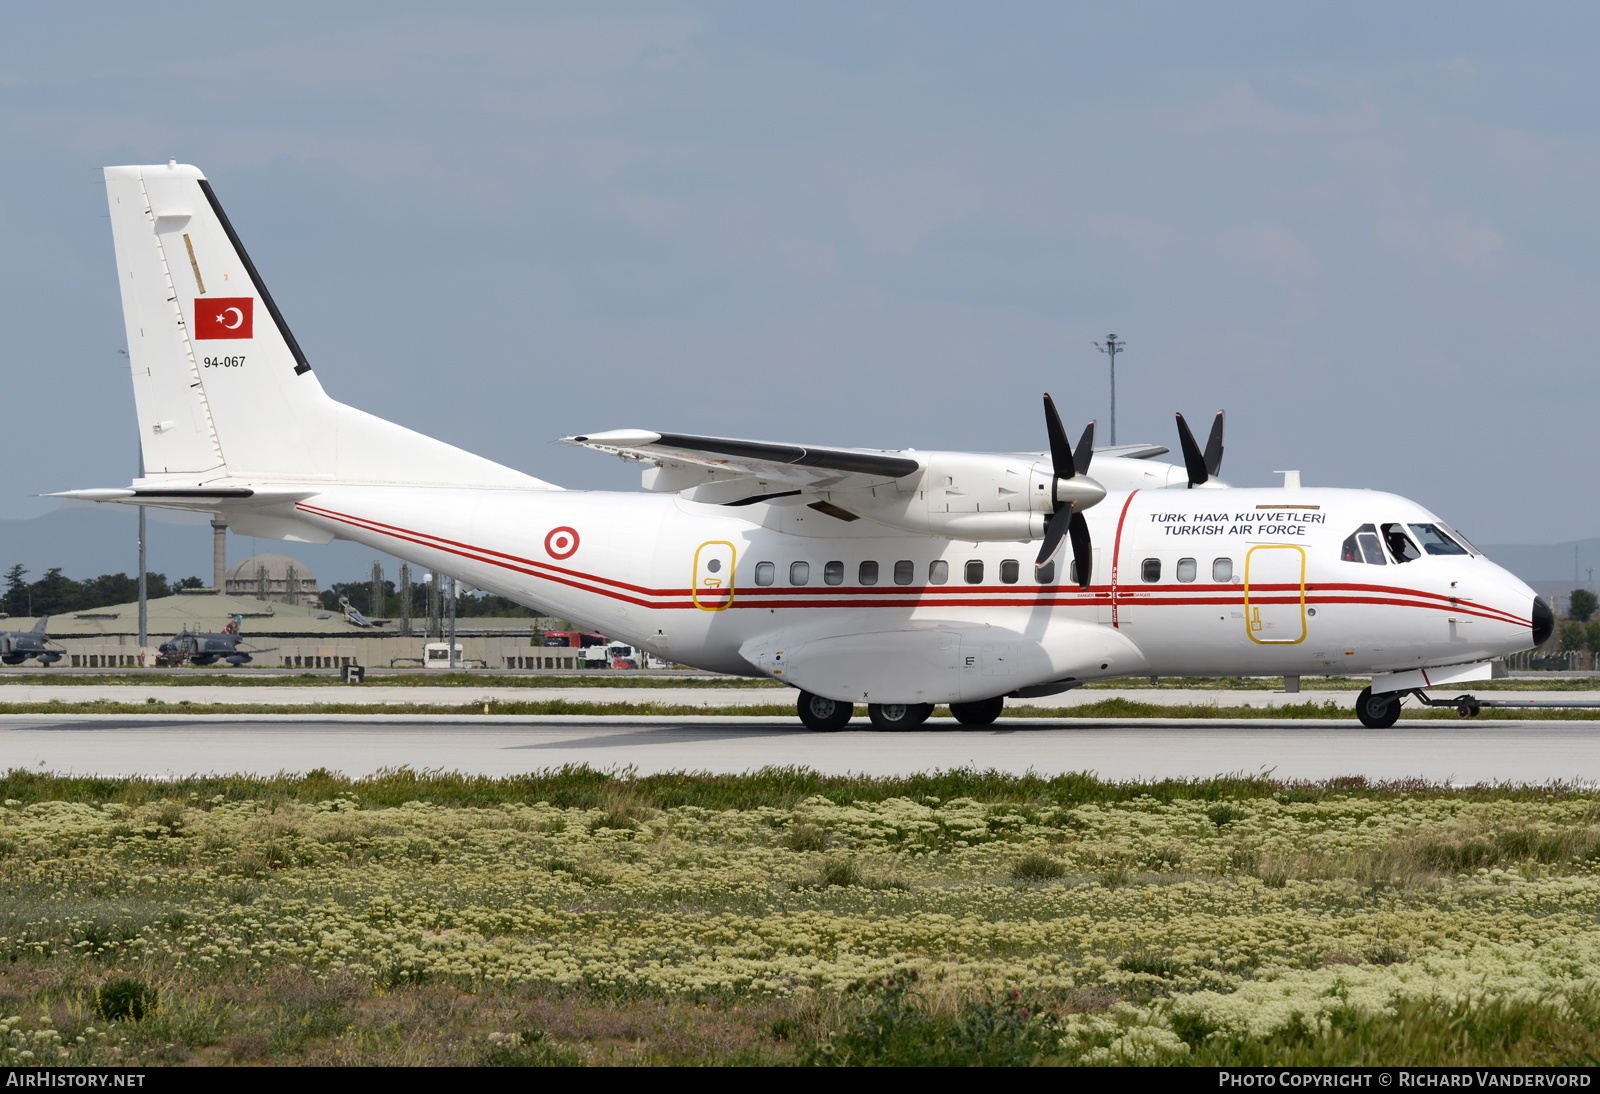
[898, 579]
[17, 646]
[204, 648]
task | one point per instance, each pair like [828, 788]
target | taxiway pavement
[155, 745]
[382, 695]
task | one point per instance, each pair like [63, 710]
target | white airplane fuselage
[638, 567]
[856, 575]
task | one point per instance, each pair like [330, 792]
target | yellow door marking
[1253, 611]
[714, 585]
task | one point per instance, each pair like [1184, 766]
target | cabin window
[868, 574]
[938, 572]
[799, 573]
[1222, 569]
[1188, 569]
[1435, 542]
[1008, 571]
[1072, 573]
[974, 574]
[1399, 544]
[904, 570]
[1047, 573]
[765, 573]
[1362, 546]
[1150, 570]
[833, 573]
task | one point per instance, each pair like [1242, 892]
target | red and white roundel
[561, 542]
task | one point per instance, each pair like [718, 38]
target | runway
[160, 746]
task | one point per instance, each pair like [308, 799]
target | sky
[1368, 231]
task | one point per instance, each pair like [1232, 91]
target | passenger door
[1275, 594]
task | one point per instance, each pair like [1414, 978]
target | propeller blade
[1192, 459]
[1214, 445]
[1060, 447]
[1082, 549]
[1085, 452]
[1054, 533]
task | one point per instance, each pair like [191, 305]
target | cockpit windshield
[1399, 544]
[1436, 542]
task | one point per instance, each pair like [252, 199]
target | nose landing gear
[1378, 711]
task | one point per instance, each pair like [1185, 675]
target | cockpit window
[1435, 541]
[1362, 546]
[1399, 544]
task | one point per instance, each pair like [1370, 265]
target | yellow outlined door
[713, 576]
[1275, 594]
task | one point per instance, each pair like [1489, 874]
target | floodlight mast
[1111, 347]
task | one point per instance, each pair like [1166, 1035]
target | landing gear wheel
[824, 715]
[899, 715]
[1378, 712]
[980, 713]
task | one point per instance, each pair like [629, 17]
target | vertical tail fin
[44, 621]
[221, 386]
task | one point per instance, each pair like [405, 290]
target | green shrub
[806, 837]
[1036, 867]
[124, 1000]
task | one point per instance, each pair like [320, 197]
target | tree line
[57, 594]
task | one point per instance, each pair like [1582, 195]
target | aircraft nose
[1544, 621]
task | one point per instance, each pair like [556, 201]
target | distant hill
[87, 540]
[1549, 566]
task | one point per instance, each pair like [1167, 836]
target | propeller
[1072, 492]
[1202, 467]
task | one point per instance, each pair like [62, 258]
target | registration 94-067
[224, 362]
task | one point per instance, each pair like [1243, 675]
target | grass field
[784, 917]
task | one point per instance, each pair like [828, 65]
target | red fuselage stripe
[927, 596]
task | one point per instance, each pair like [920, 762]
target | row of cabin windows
[904, 572]
[1188, 569]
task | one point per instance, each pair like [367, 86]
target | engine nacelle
[972, 496]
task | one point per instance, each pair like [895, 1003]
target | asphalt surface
[401, 695]
[380, 695]
[1478, 751]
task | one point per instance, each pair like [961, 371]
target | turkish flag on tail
[223, 317]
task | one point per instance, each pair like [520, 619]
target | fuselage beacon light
[897, 579]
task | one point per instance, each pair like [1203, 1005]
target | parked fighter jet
[17, 646]
[202, 648]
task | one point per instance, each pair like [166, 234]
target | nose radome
[1544, 621]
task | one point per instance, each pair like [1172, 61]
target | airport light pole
[144, 586]
[455, 590]
[1111, 347]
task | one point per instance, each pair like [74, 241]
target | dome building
[276, 578]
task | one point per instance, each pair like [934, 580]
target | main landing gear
[824, 715]
[898, 715]
[827, 715]
[980, 713]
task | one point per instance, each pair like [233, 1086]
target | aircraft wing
[798, 466]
